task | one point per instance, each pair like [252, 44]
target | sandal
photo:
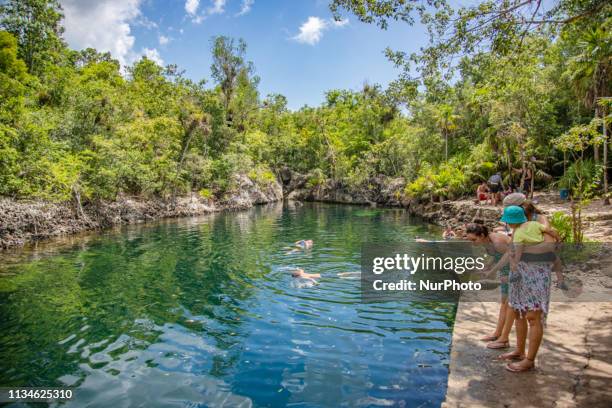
[519, 367]
[496, 345]
[490, 338]
[513, 356]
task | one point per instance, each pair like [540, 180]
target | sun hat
[514, 199]
[514, 215]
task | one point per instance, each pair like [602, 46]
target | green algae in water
[367, 213]
[203, 311]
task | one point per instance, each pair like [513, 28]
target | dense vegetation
[77, 125]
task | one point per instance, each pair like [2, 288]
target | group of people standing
[523, 252]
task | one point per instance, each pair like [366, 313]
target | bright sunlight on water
[203, 312]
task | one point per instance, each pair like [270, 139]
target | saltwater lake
[203, 312]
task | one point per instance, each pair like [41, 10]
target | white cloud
[163, 40]
[103, 25]
[146, 23]
[218, 7]
[246, 7]
[312, 30]
[153, 55]
[191, 7]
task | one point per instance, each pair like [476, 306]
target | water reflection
[202, 311]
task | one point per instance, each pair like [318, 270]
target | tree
[36, 25]
[498, 26]
[13, 76]
[228, 66]
[605, 104]
[446, 119]
[590, 70]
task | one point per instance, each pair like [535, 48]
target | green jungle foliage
[77, 124]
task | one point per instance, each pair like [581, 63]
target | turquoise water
[203, 312]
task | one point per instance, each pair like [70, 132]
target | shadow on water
[202, 312]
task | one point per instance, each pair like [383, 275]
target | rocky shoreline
[390, 192]
[24, 222]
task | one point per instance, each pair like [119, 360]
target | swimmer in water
[307, 279]
[449, 233]
[302, 245]
[349, 275]
[299, 273]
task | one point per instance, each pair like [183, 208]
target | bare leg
[536, 332]
[503, 307]
[502, 317]
[508, 323]
[558, 269]
[499, 341]
[521, 335]
[521, 332]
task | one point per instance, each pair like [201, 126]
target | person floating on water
[306, 279]
[304, 243]
[301, 245]
[349, 275]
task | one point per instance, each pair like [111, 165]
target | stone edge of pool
[574, 366]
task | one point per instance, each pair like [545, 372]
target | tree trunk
[78, 206]
[445, 146]
[523, 169]
[189, 135]
[532, 182]
[605, 159]
[595, 147]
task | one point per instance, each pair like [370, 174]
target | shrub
[206, 193]
[563, 224]
[262, 175]
[224, 169]
[316, 178]
[446, 182]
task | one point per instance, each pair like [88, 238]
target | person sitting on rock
[482, 193]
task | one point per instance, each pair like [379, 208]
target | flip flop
[510, 356]
[496, 345]
[489, 338]
[512, 368]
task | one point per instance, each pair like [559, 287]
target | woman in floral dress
[529, 291]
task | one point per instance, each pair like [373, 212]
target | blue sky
[296, 47]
